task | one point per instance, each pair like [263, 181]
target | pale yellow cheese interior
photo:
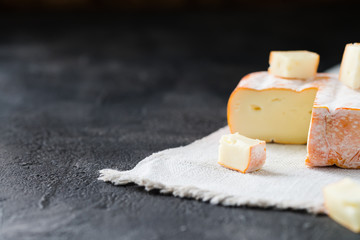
[272, 115]
[342, 202]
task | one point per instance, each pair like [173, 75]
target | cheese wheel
[320, 111]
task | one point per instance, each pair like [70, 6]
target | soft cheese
[293, 64]
[350, 66]
[273, 115]
[342, 202]
[241, 153]
[275, 109]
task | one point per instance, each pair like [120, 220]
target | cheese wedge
[342, 203]
[241, 153]
[293, 64]
[320, 111]
[350, 66]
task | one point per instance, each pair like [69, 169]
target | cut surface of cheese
[320, 111]
[342, 203]
[241, 153]
[273, 115]
[293, 64]
[350, 66]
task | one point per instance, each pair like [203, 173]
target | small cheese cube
[342, 202]
[350, 66]
[241, 153]
[293, 64]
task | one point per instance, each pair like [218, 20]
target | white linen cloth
[192, 171]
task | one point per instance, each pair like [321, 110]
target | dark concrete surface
[79, 93]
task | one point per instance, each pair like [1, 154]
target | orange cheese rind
[235, 169]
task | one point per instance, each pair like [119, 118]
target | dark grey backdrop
[82, 92]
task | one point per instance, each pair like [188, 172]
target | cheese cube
[293, 64]
[241, 153]
[350, 66]
[342, 202]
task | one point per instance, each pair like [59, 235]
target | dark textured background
[82, 92]
[161, 5]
